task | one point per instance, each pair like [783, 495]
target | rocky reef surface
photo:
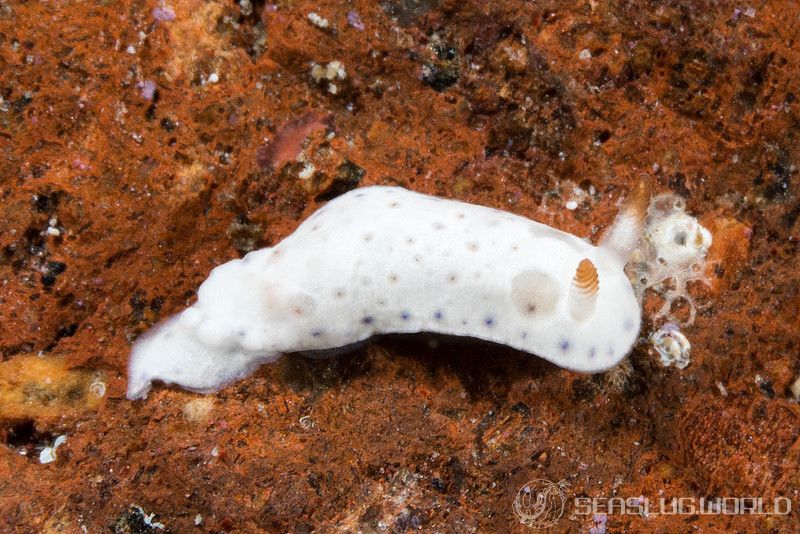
[143, 143]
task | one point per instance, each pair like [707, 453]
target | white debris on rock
[318, 21]
[329, 73]
[148, 519]
[672, 346]
[48, 454]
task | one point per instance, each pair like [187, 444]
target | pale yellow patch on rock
[35, 387]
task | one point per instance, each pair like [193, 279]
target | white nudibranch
[381, 260]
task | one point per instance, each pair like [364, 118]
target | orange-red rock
[128, 171]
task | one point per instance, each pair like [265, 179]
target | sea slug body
[387, 260]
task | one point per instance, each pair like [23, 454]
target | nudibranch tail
[173, 353]
[583, 291]
[622, 236]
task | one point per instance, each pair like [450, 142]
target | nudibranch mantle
[380, 260]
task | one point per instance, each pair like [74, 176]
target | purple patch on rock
[164, 14]
[354, 19]
[147, 88]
